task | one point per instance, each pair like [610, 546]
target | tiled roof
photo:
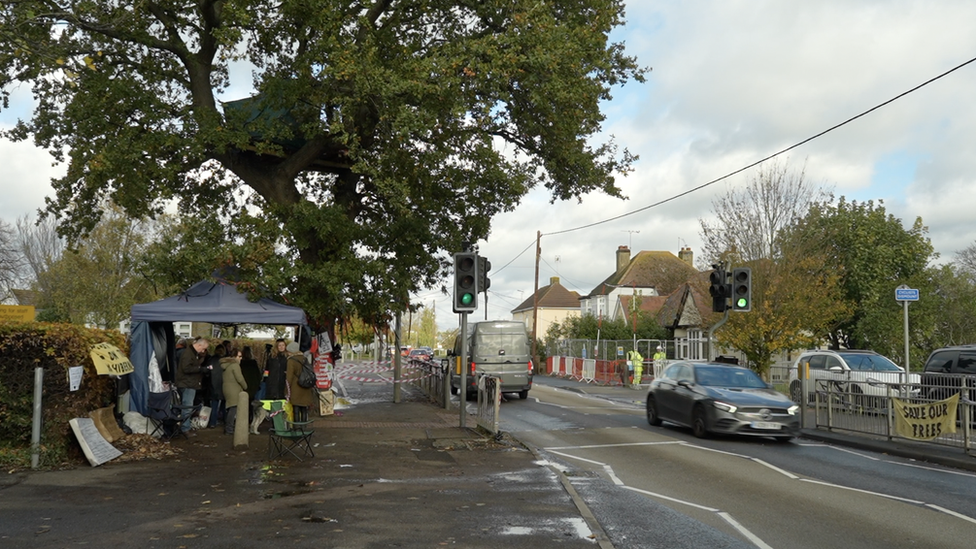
[648, 304]
[553, 296]
[660, 270]
[25, 297]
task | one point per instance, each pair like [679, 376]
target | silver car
[721, 398]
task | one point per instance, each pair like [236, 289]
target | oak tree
[378, 136]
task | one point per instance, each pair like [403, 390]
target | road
[742, 492]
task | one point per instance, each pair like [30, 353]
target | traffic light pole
[463, 381]
[711, 334]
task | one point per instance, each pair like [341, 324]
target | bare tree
[966, 262]
[40, 246]
[10, 259]
[748, 221]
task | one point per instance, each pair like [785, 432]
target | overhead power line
[774, 155]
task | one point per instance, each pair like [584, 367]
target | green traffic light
[467, 299]
[741, 303]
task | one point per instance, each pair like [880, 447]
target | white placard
[75, 374]
[96, 448]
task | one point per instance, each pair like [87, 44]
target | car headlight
[793, 410]
[725, 407]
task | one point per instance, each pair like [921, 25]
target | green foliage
[53, 347]
[382, 137]
[873, 253]
[587, 327]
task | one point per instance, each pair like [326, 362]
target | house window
[183, 329]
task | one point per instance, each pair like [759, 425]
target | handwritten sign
[925, 421]
[16, 313]
[109, 360]
[75, 374]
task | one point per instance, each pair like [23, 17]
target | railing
[870, 407]
[489, 403]
[429, 378]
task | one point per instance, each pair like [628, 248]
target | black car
[946, 371]
[721, 398]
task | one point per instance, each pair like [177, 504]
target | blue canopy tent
[214, 302]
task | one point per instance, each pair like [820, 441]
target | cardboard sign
[109, 360]
[16, 313]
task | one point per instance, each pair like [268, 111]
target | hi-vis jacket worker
[637, 360]
[659, 360]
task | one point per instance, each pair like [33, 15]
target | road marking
[669, 498]
[609, 470]
[935, 469]
[869, 492]
[744, 531]
[775, 468]
[614, 445]
[951, 512]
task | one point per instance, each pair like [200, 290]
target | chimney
[687, 256]
[554, 281]
[623, 258]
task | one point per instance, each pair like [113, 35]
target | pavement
[383, 475]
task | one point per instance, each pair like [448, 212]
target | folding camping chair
[167, 413]
[288, 436]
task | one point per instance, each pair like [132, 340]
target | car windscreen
[508, 343]
[875, 363]
[718, 376]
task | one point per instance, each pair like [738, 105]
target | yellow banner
[925, 421]
[109, 359]
[16, 313]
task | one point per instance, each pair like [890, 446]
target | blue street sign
[906, 294]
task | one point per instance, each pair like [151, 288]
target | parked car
[848, 372]
[721, 398]
[947, 369]
[420, 354]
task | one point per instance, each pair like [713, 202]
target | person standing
[638, 361]
[300, 397]
[660, 358]
[234, 383]
[189, 374]
[216, 384]
[276, 368]
[252, 376]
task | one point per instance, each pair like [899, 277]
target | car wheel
[524, 394]
[652, 417]
[796, 392]
[698, 426]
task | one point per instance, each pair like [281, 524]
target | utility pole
[535, 301]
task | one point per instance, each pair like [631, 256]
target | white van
[498, 348]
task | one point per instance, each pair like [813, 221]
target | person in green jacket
[637, 361]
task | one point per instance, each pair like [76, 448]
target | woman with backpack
[300, 397]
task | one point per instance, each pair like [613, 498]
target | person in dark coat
[276, 367]
[216, 385]
[253, 376]
[189, 373]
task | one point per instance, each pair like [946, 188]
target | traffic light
[719, 289]
[742, 289]
[465, 282]
[483, 267]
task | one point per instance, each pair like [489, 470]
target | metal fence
[489, 403]
[431, 378]
[869, 407]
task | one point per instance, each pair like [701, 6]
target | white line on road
[869, 492]
[669, 498]
[742, 530]
[951, 512]
[614, 445]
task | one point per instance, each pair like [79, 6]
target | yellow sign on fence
[16, 313]
[926, 421]
[109, 359]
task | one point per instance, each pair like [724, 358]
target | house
[555, 303]
[649, 274]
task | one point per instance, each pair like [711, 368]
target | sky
[732, 82]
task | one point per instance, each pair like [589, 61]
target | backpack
[306, 378]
